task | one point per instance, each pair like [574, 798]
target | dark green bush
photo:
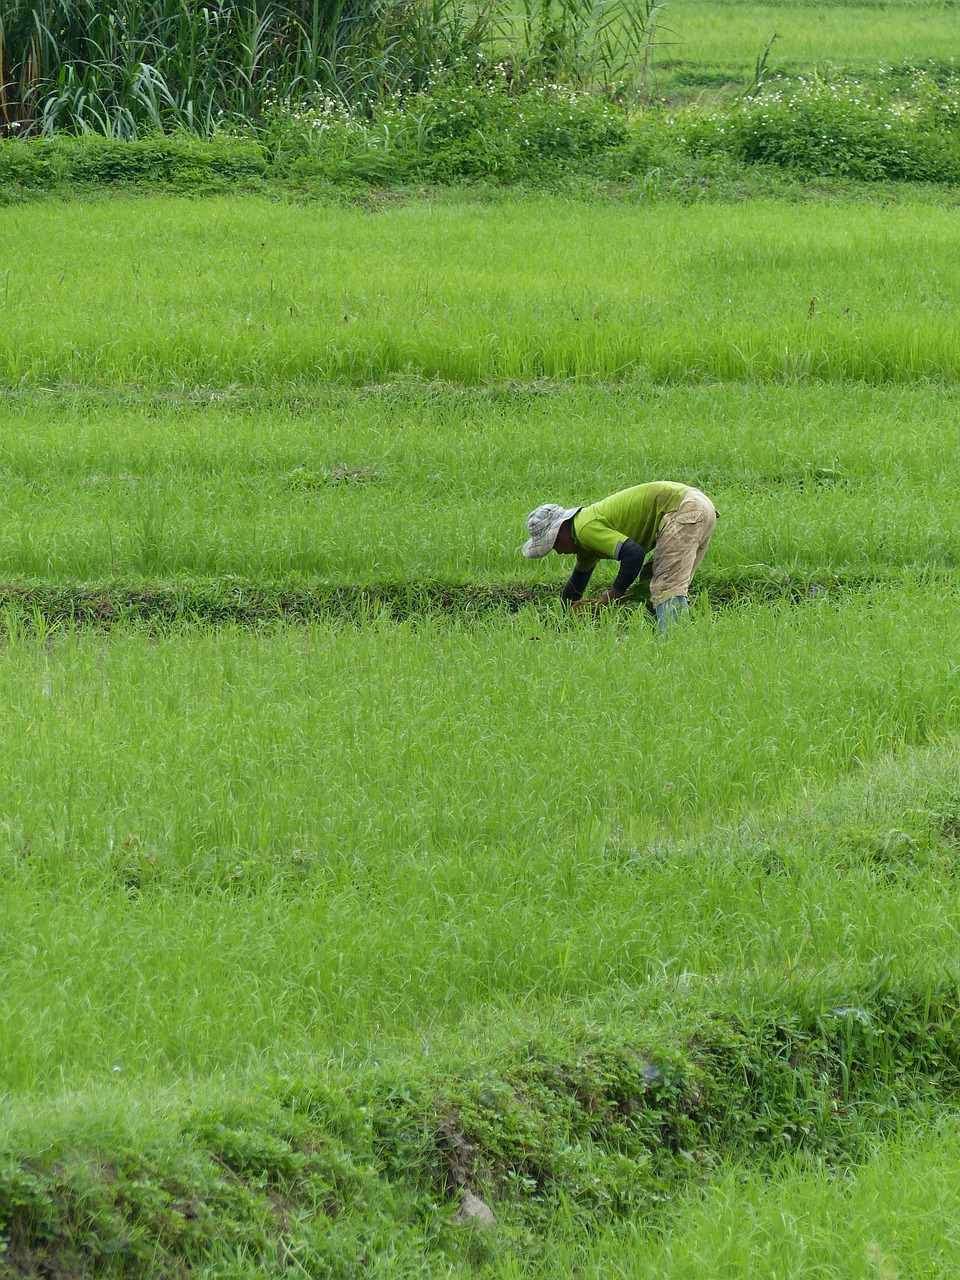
[183, 162]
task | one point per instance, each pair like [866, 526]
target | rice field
[896, 1215]
[433, 482]
[235, 855]
[721, 38]
[172, 294]
[357, 837]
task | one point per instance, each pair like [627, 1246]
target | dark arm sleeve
[575, 585]
[631, 556]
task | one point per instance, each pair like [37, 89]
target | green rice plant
[892, 1216]
[298, 843]
[223, 293]
[244, 499]
[719, 40]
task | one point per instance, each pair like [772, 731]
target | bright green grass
[725, 34]
[227, 854]
[167, 292]
[223, 853]
[815, 478]
[896, 1216]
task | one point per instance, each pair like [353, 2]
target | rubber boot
[670, 612]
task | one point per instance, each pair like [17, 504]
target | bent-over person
[672, 521]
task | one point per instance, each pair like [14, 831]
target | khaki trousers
[680, 546]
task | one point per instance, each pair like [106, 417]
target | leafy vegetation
[467, 133]
[830, 127]
[117, 70]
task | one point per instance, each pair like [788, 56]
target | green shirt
[635, 513]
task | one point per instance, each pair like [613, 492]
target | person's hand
[592, 605]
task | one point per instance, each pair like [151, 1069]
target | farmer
[674, 521]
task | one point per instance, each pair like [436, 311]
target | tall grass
[81, 66]
[111, 69]
[77, 65]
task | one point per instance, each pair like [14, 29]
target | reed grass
[75, 66]
[161, 65]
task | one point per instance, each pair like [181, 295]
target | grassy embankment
[869, 98]
[339, 865]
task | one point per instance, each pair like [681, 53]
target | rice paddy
[235, 858]
[169, 293]
[718, 41]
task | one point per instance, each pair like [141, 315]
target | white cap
[543, 526]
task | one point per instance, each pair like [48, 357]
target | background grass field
[169, 294]
[710, 43]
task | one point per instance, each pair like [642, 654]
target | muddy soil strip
[246, 603]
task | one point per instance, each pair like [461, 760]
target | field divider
[247, 602]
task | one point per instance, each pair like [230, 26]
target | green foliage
[180, 163]
[836, 128]
[83, 67]
[489, 126]
[452, 134]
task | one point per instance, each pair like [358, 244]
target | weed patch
[178, 163]
[824, 128]
[495, 132]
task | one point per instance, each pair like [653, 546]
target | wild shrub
[843, 128]
[454, 132]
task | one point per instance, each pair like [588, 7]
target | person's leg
[680, 547]
[671, 611]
